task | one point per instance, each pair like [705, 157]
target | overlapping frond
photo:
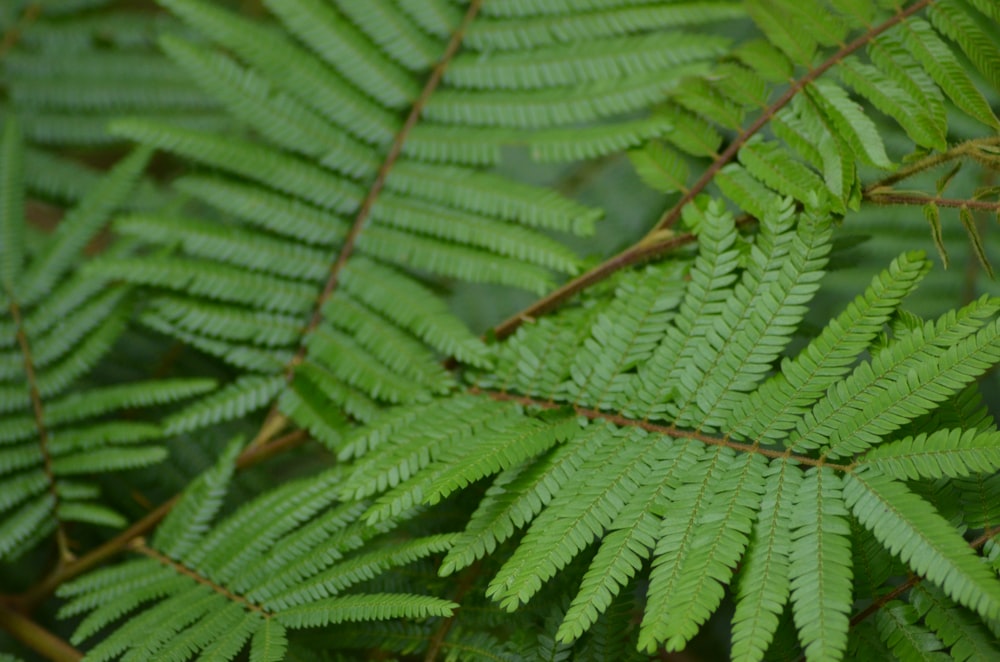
[615, 467]
[285, 561]
[58, 324]
[321, 196]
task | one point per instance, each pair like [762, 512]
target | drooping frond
[58, 324]
[284, 561]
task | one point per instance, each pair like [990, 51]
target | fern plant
[678, 431]
[56, 427]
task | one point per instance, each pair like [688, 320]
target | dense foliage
[259, 400]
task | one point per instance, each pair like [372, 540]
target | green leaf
[910, 527]
[660, 167]
[763, 586]
[947, 71]
[820, 565]
[364, 607]
[850, 122]
[952, 453]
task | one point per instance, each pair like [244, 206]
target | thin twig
[932, 161]
[256, 454]
[890, 198]
[62, 541]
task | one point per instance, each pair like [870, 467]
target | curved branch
[890, 198]
[35, 637]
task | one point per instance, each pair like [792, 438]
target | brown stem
[674, 213]
[30, 599]
[668, 430]
[383, 174]
[644, 250]
[256, 454]
[35, 637]
[888, 198]
[465, 583]
[139, 545]
[43, 434]
[928, 162]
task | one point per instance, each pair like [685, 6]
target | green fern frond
[953, 453]
[185, 587]
[524, 29]
[629, 544]
[854, 404]
[51, 434]
[246, 394]
[764, 585]
[700, 513]
[819, 563]
[968, 641]
[752, 326]
[704, 299]
[76, 66]
[898, 627]
[444, 220]
[587, 505]
[922, 538]
[684, 583]
[772, 408]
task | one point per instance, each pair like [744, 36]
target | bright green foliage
[58, 326]
[688, 505]
[693, 431]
